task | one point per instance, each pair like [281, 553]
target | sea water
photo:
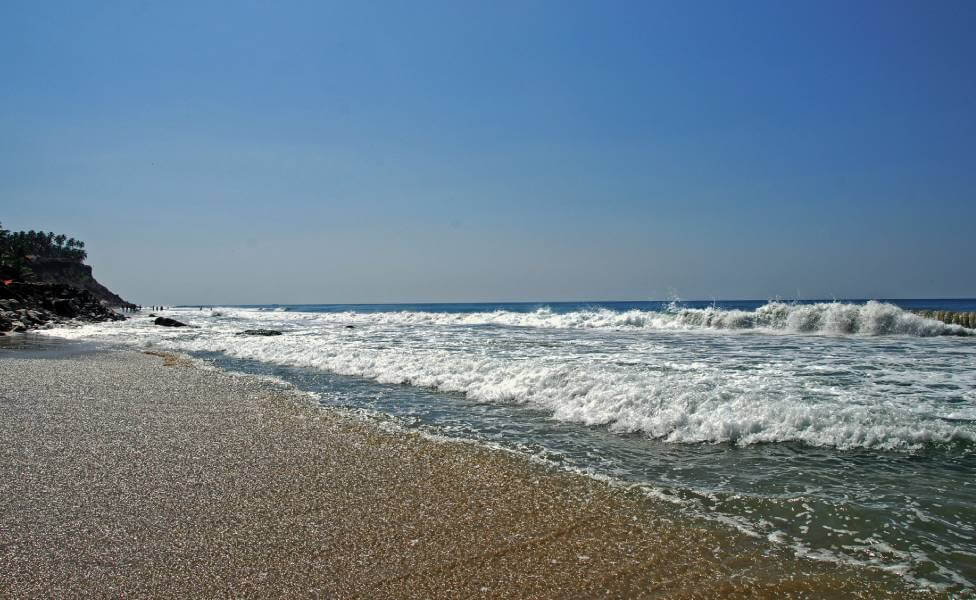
[844, 430]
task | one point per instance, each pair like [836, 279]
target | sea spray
[828, 318]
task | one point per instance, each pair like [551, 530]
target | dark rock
[31, 317]
[65, 308]
[167, 322]
[152, 314]
[260, 332]
[45, 304]
[350, 327]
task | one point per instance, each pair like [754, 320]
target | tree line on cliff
[18, 249]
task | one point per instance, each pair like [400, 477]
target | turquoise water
[844, 430]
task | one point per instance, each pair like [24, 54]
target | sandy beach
[131, 474]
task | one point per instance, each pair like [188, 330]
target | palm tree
[4, 243]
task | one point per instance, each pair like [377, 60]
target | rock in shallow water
[260, 332]
[167, 322]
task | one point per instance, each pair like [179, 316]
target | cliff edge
[75, 274]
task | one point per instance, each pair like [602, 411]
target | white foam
[830, 318]
[673, 388]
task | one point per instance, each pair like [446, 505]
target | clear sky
[292, 152]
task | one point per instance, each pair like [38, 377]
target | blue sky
[412, 151]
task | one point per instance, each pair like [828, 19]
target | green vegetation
[18, 249]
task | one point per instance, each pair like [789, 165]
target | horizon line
[590, 301]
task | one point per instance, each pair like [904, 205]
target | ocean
[844, 430]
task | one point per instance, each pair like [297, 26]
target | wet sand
[124, 473]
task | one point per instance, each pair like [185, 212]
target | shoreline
[136, 473]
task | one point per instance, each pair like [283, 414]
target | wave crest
[871, 318]
[829, 318]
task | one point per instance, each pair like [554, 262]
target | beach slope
[124, 473]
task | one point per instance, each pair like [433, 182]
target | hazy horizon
[437, 152]
[578, 301]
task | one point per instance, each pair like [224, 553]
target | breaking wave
[871, 318]
[680, 389]
[831, 391]
[829, 318]
[685, 405]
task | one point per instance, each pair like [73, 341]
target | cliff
[75, 274]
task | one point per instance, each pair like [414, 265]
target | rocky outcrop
[167, 322]
[76, 274]
[260, 332]
[26, 306]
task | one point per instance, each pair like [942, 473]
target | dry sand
[126, 474]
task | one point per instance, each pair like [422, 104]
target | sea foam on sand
[123, 476]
